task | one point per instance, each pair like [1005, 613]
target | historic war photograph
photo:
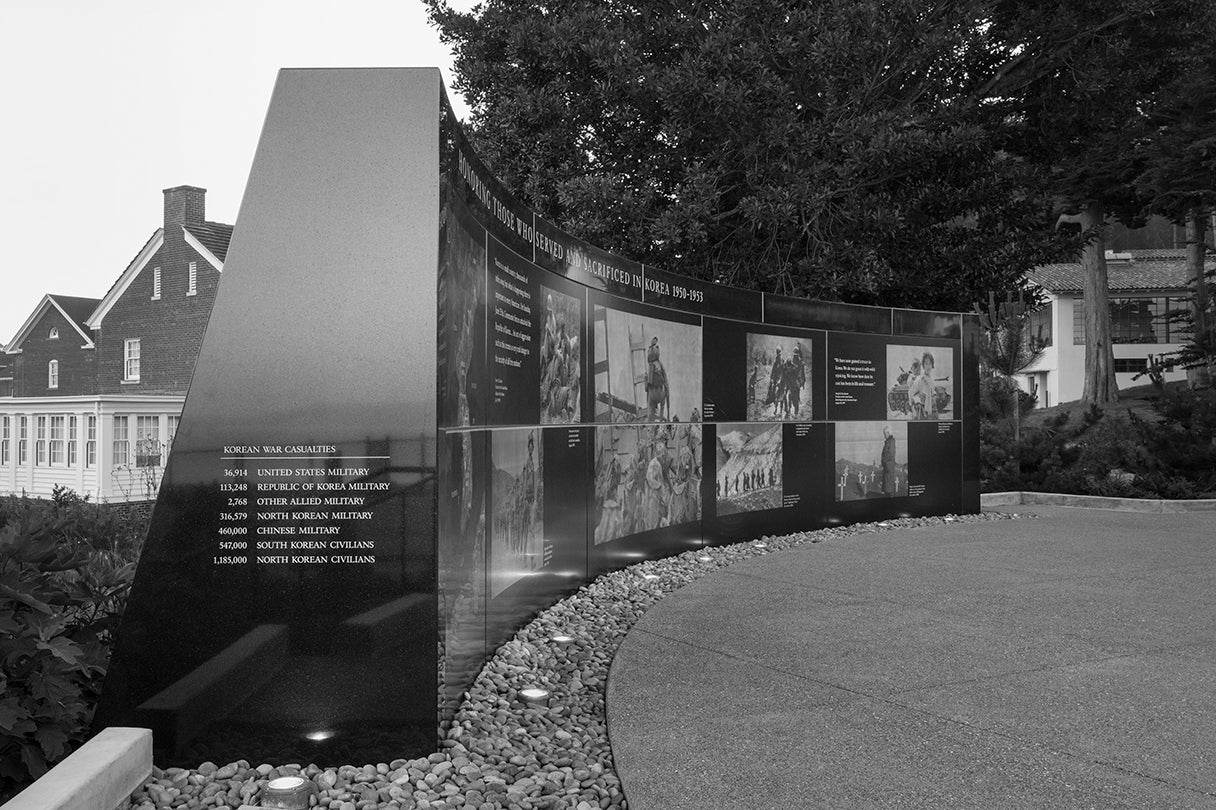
[749, 468]
[462, 281]
[646, 477]
[462, 576]
[919, 384]
[778, 378]
[646, 369]
[560, 368]
[871, 460]
[517, 532]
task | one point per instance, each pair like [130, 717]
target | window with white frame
[90, 442]
[72, 449]
[6, 428]
[173, 422]
[57, 440]
[130, 366]
[147, 441]
[122, 443]
[52, 374]
[53, 334]
[23, 436]
[155, 283]
[40, 441]
[192, 279]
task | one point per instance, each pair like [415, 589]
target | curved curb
[1151, 505]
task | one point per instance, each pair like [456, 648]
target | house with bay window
[1147, 282]
[91, 389]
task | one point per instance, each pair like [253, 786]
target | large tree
[1180, 179]
[1076, 87]
[843, 149]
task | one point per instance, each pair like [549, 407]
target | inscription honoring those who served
[293, 505]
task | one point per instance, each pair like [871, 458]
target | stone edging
[100, 775]
[1152, 505]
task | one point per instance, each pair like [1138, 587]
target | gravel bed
[500, 750]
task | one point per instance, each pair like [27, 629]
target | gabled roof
[1136, 270]
[214, 236]
[75, 309]
[120, 286]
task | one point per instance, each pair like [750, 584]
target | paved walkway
[1066, 661]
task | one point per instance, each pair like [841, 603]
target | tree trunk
[1196, 237]
[1100, 386]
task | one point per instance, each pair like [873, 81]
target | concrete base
[994, 499]
[100, 775]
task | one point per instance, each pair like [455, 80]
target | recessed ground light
[759, 545]
[650, 576]
[884, 524]
[705, 558]
[534, 694]
[562, 638]
[287, 793]
[319, 736]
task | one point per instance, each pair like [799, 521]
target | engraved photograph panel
[871, 460]
[919, 382]
[647, 369]
[779, 370]
[561, 344]
[749, 471]
[517, 513]
[646, 477]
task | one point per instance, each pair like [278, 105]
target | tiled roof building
[1148, 281]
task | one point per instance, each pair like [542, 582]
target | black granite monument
[421, 413]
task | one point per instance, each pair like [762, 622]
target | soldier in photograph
[889, 484]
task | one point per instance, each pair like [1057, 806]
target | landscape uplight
[535, 695]
[287, 793]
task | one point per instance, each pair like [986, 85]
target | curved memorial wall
[421, 413]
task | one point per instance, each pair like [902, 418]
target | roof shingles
[1145, 270]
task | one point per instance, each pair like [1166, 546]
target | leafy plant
[65, 569]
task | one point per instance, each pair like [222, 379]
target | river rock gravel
[502, 751]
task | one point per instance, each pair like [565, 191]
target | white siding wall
[108, 479]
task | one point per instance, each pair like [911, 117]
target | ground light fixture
[650, 576]
[705, 558]
[535, 696]
[287, 793]
[759, 545]
[320, 735]
[561, 638]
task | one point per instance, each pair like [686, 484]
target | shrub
[65, 568]
[1173, 456]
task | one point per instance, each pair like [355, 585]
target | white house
[1146, 286]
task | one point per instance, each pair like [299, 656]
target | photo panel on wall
[875, 377]
[749, 472]
[871, 460]
[537, 348]
[461, 337]
[538, 505]
[646, 363]
[461, 561]
[916, 461]
[761, 374]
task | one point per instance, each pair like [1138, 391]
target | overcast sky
[107, 103]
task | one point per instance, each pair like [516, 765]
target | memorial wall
[421, 413]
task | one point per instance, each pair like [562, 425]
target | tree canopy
[843, 150]
[1083, 77]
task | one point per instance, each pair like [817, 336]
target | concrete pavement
[1061, 661]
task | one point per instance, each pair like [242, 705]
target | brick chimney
[184, 205]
